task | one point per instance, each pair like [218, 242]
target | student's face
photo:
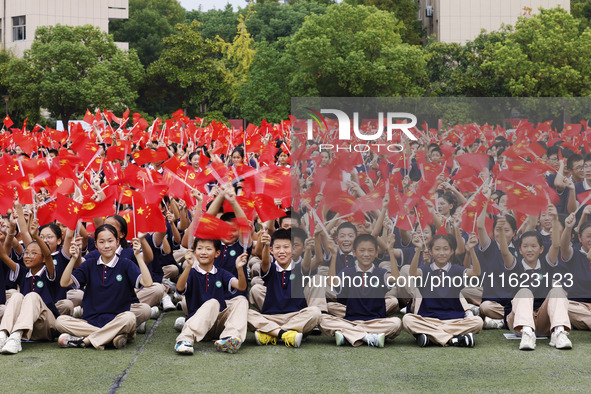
[435, 156]
[107, 244]
[206, 253]
[578, 170]
[506, 232]
[530, 249]
[444, 207]
[281, 250]
[282, 159]
[195, 161]
[325, 158]
[236, 158]
[33, 256]
[441, 252]
[553, 161]
[545, 220]
[287, 223]
[50, 239]
[113, 222]
[345, 239]
[587, 169]
[297, 248]
[503, 202]
[586, 238]
[366, 253]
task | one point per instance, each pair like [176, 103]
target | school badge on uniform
[218, 284]
[232, 253]
[292, 276]
[119, 278]
[40, 284]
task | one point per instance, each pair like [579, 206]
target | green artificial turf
[495, 364]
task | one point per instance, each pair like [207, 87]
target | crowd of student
[507, 208]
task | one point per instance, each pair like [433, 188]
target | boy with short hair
[203, 286]
[285, 314]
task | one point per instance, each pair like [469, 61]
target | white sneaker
[403, 311]
[528, 341]
[179, 323]
[155, 312]
[184, 347]
[562, 341]
[12, 346]
[493, 323]
[339, 338]
[141, 329]
[375, 340]
[77, 312]
[167, 304]
[475, 310]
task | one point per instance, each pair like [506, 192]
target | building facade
[462, 20]
[20, 18]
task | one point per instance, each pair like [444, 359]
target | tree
[354, 51]
[193, 67]
[581, 10]
[149, 22]
[405, 10]
[544, 56]
[69, 69]
[215, 23]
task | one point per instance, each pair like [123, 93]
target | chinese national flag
[584, 198]
[149, 218]
[116, 153]
[523, 200]
[128, 216]
[8, 122]
[477, 161]
[210, 227]
[6, 198]
[247, 204]
[46, 213]
[10, 169]
[93, 209]
[88, 117]
[266, 208]
[68, 212]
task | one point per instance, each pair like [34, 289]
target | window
[19, 28]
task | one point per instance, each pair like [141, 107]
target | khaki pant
[171, 272]
[492, 309]
[30, 315]
[179, 255]
[441, 331]
[123, 323]
[579, 314]
[302, 321]
[141, 312]
[209, 323]
[354, 331]
[151, 295]
[472, 294]
[552, 313]
[314, 296]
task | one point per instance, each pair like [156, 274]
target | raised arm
[146, 279]
[240, 283]
[66, 279]
[34, 232]
[470, 245]
[555, 246]
[566, 246]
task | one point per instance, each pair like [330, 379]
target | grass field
[152, 366]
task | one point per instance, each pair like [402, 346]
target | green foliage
[581, 10]
[149, 22]
[69, 69]
[545, 56]
[193, 67]
[354, 51]
[215, 23]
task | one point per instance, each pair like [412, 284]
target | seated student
[575, 261]
[285, 313]
[540, 306]
[109, 284]
[364, 289]
[204, 286]
[440, 316]
[31, 313]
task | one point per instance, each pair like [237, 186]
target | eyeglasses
[33, 254]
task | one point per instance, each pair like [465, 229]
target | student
[364, 288]
[31, 313]
[439, 316]
[540, 306]
[109, 284]
[204, 286]
[285, 315]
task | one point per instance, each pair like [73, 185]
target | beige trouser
[552, 313]
[254, 263]
[73, 299]
[30, 315]
[579, 314]
[141, 311]
[355, 331]
[170, 271]
[302, 321]
[151, 295]
[209, 323]
[441, 331]
[314, 296]
[472, 294]
[123, 323]
[492, 309]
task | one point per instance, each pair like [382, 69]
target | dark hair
[553, 150]
[584, 227]
[451, 199]
[281, 234]
[587, 157]
[193, 154]
[534, 234]
[510, 220]
[450, 240]
[238, 150]
[217, 244]
[298, 233]
[123, 226]
[347, 225]
[228, 216]
[365, 238]
[431, 226]
[55, 229]
[105, 227]
[571, 160]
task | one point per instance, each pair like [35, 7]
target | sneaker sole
[185, 352]
[298, 340]
[120, 343]
[339, 339]
[228, 346]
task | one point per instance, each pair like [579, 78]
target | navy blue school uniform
[160, 259]
[60, 261]
[365, 302]
[4, 282]
[492, 266]
[561, 207]
[39, 283]
[579, 285]
[227, 261]
[203, 286]
[285, 291]
[441, 302]
[546, 239]
[538, 280]
[19, 260]
[108, 288]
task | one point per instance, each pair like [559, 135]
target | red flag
[88, 117]
[92, 209]
[149, 218]
[210, 227]
[8, 122]
[68, 211]
[266, 208]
